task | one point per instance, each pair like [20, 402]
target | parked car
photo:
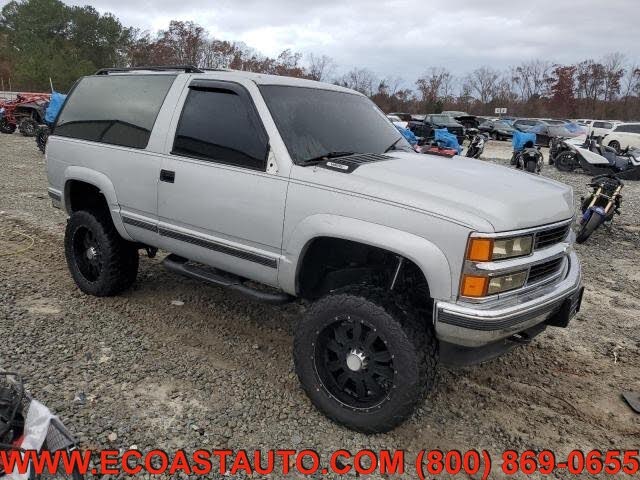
[281, 188]
[623, 135]
[425, 127]
[600, 128]
[404, 117]
[497, 129]
[397, 121]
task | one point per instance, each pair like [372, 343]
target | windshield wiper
[325, 156]
[390, 147]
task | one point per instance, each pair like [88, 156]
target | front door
[216, 202]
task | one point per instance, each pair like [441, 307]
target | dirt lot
[217, 371]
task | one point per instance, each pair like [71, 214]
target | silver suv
[282, 188]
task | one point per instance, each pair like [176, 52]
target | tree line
[47, 39]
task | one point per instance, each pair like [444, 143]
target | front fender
[100, 181]
[426, 255]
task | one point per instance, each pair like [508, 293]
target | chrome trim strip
[55, 196]
[517, 233]
[201, 242]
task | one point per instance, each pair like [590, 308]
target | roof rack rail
[154, 68]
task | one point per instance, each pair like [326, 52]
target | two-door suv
[281, 188]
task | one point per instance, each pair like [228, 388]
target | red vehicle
[26, 112]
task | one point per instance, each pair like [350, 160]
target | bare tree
[320, 67]
[434, 84]
[613, 64]
[359, 79]
[532, 78]
[483, 81]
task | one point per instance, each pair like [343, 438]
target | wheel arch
[430, 260]
[89, 180]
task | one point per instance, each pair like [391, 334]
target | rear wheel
[531, 166]
[101, 262]
[363, 360]
[566, 161]
[615, 145]
[589, 227]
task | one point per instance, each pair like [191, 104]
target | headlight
[477, 286]
[488, 249]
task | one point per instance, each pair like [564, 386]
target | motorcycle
[597, 159]
[476, 147]
[601, 205]
[526, 156]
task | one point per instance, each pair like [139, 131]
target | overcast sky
[405, 37]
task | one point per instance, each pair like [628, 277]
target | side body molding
[102, 182]
[427, 256]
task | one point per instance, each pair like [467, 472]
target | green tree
[47, 39]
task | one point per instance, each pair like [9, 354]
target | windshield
[315, 122]
[504, 125]
[442, 119]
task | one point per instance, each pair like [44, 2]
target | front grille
[546, 238]
[544, 270]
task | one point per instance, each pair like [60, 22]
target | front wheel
[589, 227]
[101, 262]
[28, 127]
[6, 127]
[566, 161]
[363, 361]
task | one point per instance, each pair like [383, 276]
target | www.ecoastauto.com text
[426, 464]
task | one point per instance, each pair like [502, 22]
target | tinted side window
[635, 128]
[602, 125]
[114, 109]
[221, 126]
[623, 128]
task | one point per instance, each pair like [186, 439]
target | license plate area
[567, 310]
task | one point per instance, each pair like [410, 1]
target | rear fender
[100, 181]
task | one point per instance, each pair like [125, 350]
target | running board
[180, 265]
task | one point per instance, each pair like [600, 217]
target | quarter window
[114, 109]
[221, 126]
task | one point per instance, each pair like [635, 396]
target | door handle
[167, 176]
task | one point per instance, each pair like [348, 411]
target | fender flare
[102, 183]
[425, 254]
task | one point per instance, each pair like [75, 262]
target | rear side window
[606, 125]
[635, 128]
[221, 126]
[114, 109]
[623, 128]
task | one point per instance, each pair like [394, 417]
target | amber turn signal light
[480, 249]
[473, 286]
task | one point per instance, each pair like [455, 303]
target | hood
[483, 195]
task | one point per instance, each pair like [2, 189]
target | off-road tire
[615, 145]
[119, 266]
[28, 127]
[409, 339]
[589, 227]
[6, 127]
[42, 135]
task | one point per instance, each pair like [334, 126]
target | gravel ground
[217, 371]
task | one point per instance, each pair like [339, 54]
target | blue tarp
[445, 139]
[408, 134]
[55, 104]
[521, 138]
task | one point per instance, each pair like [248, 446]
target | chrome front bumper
[476, 325]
